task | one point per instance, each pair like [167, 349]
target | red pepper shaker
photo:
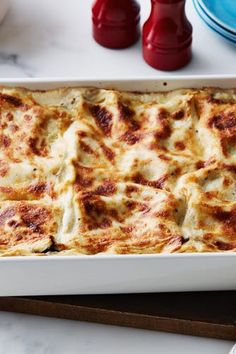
[116, 23]
[167, 35]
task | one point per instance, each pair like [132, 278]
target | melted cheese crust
[88, 171]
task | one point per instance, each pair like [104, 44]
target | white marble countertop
[53, 38]
[23, 334]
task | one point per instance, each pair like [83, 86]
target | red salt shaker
[167, 35]
[116, 23]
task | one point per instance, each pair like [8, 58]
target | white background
[53, 38]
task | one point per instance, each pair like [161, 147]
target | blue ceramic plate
[217, 29]
[215, 25]
[221, 11]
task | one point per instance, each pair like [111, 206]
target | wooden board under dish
[208, 314]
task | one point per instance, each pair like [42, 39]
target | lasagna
[91, 171]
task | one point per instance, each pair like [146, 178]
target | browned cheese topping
[88, 171]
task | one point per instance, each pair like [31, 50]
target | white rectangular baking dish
[57, 275]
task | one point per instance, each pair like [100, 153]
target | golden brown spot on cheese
[164, 157]
[5, 141]
[208, 236]
[102, 117]
[6, 214]
[159, 184]
[9, 116]
[125, 111]
[93, 205]
[131, 138]
[179, 145]
[28, 117]
[14, 128]
[114, 214]
[106, 189]
[227, 218]
[226, 144]
[178, 115]
[62, 114]
[86, 148]
[110, 155]
[164, 130]
[144, 208]
[226, 182]
[4, 168]
[82, 134]
[131, 204]
[3, 125]
[96, 212]
[163, 114]
[127, 115]
[83, 180]
[7, 190]
[13, 223]
[223, 246]
[162, 214]
[223, 121]
[11, 100]
[210, 195]
[231, 168]
[177, 171]
[203, 164]
[127, 229]
[105, 223]
[38, 189]
[33, 145]
[37, 147]
[34, 217]
[131, 189]
[101, 245]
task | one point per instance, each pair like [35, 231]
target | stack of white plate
[220, 16]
